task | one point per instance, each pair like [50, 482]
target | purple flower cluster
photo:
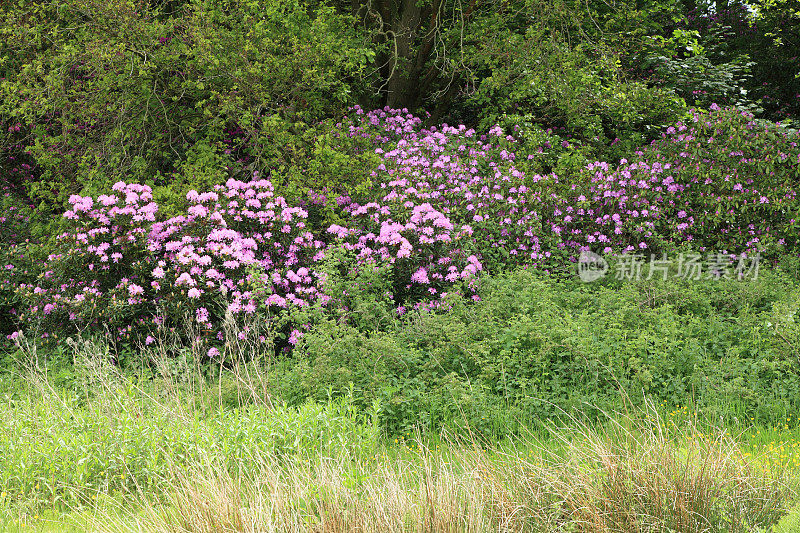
[716, 181]
[474, 194]
[422, 244]
[447, 203]
[237, 248]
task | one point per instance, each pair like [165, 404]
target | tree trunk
[409, 29]
[401, 85]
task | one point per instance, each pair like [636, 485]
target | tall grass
[629, 476]
[121, 456]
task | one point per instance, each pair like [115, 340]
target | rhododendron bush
[446, 204]
[239, 250]
[714, 180]
[121, 268]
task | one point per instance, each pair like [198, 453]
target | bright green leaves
[120, 90]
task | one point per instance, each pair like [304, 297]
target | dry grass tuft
[628, 476]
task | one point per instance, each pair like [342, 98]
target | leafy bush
[701, 74]
[15, 262]
[553, 71]
[532, 346]
[15, 219]
[94, 92]
[766, 33]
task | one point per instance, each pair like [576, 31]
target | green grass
[546, 406]
[789, 523]
[122, 454]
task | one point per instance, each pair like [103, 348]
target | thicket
[386, 294]
[200, 170]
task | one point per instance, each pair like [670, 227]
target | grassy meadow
[175, 443]
[424, 266]
[126, 458]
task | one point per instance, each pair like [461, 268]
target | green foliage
[534, 346]
[703, 83]
[768, 32]
[552, 73]
[124, 452]
[101, 91]
[319, 157]
[19, 253]
[714, 73]
[329, 160]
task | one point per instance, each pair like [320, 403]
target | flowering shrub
[122, 269]
[237, 251]
[15, 223]
[718, 181]
[446, 204]
[469, 185]
[420, 241]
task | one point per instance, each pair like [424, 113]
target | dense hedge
[534, 347]
[444, 204]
